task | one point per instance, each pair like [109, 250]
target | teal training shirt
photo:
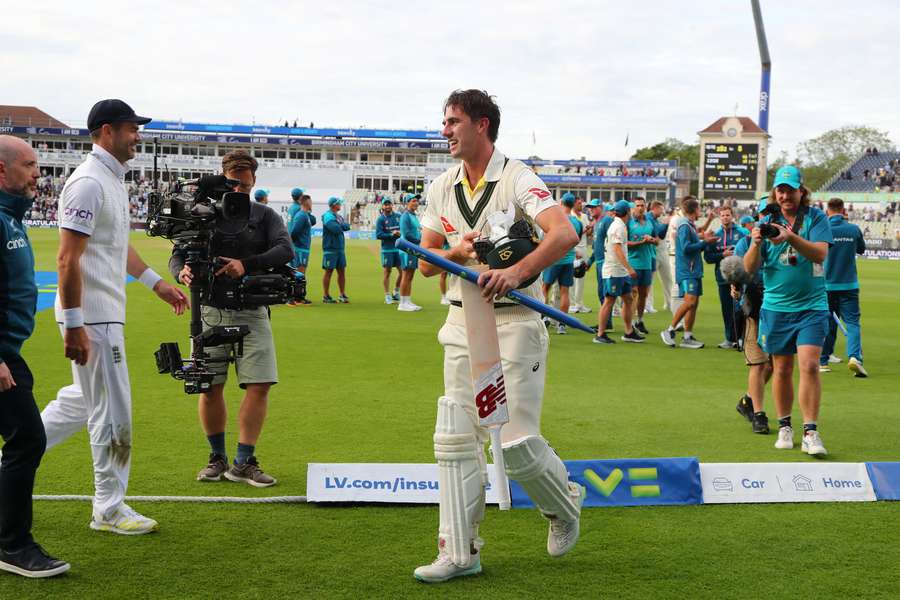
[840, 266]
[640, 257]
[410, 229]
[799, 286]
[569, 256]
[18, 292]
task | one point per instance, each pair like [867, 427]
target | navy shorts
[782, 332]
[644, 278]
[334, 260]
[616, 286]
[391, 259]
[564, 274]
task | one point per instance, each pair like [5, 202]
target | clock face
[731, 132]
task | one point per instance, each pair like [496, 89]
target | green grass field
[359, 384]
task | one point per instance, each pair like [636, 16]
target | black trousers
[25, 442]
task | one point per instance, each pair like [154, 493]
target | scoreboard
[730, 170]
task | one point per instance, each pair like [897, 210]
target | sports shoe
[573, 310]
[834, 359]
[603, 339]
[760, 423]
[641, 327]
[727, 345]
[396, 295]
[328, 300]
[561, 329]
[812, 444]
[250, 473]
[680, 327]
[32, 562]
[408, 307]
[824, 369]
[304, 302]
[388, 299]
[216, 468]
[616, 311]
[564, 534]
[745, 407]
[125, 521]
[444, 569]
[785, 439]
[857, 367]
[691, 342]
[648, 308]
[584, 309]
[343, 299]
[634, 337]
[668, 337]
[445, 301]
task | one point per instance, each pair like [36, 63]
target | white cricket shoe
[584, 309]
[444, 569]
[857, 367]
[564, 534]
[445, 301]
[126, 521]
[785, 439]
[573, 310]
[834, 359]
[408, 307]
[648, 308]
[824, 369]
[812, 444]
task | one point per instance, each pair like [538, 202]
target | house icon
[802, 483]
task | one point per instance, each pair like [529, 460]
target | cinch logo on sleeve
[73, 212]
[16, 244]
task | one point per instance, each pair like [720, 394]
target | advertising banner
[885, 478]
[730, 483]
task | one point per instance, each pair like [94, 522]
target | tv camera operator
[263, 244]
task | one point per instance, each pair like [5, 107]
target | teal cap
[594, 202]
[746, 219]
[296, 192]
[622, 206]
[334, 200]
[261, 193]
[788, 175]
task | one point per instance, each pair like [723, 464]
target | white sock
[405, 300]
[688, 334]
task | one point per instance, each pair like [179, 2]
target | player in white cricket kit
[581, 255]
[460, 201]
[94, 259]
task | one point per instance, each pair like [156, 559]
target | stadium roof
[27, 116]
[748, 125]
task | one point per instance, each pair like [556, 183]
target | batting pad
[536, 467]
[462, 473]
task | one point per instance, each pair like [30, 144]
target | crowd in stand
[886, 177]
[620, 171]
[50, 187]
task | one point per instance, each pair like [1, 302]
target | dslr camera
[767, 230]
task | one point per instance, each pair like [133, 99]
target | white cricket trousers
[670, 284]
[99, 397]
[523, 352]
[577, 299]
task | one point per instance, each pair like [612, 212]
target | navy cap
[113, 111]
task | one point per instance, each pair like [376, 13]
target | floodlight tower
[766, 61]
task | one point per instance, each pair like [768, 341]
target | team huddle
[485, 195]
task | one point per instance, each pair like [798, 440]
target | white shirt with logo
[616, 234]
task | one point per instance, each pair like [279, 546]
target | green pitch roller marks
[608, 486]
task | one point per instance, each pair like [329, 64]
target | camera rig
[191, 220]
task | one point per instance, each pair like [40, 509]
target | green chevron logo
[608, 486]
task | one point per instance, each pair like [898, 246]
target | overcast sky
[580, 76]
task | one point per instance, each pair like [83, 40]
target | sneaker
[573, 310]
[304, 302]
[691, 342]
[634, 337]
[727, 345]
[595, 328]
[564, 534]
[641, 327]
[250, 473]
[328, 300]
[409, 307]
[760, 423]
[343, 299]
[745, 407]
[396, 295]
[857, 367]
[561, 329]
[216, 468]
[680, 327]
[444, 569]
[668, 337]
[547, 322]
[125, 521]
[388, 299]
[445, 301]
[603, 339]
[832, 359]
[584, 309]
[824, 369]
[650, 310]
[812, 444]
[32, 562]
[785, 439]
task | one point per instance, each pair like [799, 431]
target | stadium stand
[872, 172]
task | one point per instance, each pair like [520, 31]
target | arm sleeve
[860, 242]
[312, 219]
[819, 228]
[712, 254]
[532, 194]
[297, 227]
[280, 249]
[408, 230]
[80, 204]
[381, 231]
[176, 262]
[330, 223]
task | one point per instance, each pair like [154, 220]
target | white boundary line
[202, 499]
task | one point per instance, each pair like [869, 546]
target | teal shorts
[644, 278]
[408, 262]
[390, 259]
[781, 332]
[694, 287]
[564, 274]
[334, 260]
[301, 257]
[616, 286]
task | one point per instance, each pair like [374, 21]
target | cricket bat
[487, 377]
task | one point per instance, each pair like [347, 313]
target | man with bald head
[20, 421]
